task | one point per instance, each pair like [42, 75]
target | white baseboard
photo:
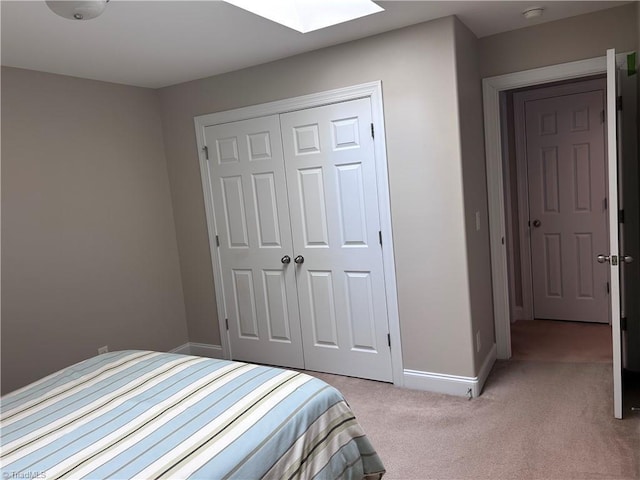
[182, 349]
[486, 367]
[451, 384]
[518, 314]
[415, 379]
[199, 350]
[206, 350]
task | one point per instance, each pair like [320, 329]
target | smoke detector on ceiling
[533, 12]
[77, 9]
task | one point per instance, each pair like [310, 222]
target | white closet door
[246, 169]
[331, 179]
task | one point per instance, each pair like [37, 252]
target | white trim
[451, 384]
[291, 104]
[439, 383]
[524, 231]
[518, 313]
[182, 349]
[372, 90]
[388, 259]
[215, 260]
[199, 350]
[508, 195]
[491, 88]
[206, 350]
[614, 277]
[485, 369]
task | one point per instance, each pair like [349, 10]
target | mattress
[143, 415]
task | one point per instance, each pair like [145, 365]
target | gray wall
[575, 38]
[475, 191]
[418, 69]
[89, 254]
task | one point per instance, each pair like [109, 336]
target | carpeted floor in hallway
[556, 341]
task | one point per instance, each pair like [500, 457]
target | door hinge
[605, 203]
[602, 117]
[226, 323]
[621, 216]
[389, 339]
[373, 134]
[206, 152]
[380, 237]
[217, 241]
[608, 289]
[619, 103]
[623, 324]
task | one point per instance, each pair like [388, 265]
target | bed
[142, 414]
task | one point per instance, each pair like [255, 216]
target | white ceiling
[160, 43]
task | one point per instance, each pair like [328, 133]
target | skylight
[308, 15]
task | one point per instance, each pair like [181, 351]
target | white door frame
[372, 90]
[491, 88]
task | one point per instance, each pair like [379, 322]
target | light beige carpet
[555, 341]
[534, 420]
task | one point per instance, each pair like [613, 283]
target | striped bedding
[143, 415]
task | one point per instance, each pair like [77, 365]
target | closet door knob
[299, 259]
[286, 259]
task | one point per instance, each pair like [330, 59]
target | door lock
[612, 259]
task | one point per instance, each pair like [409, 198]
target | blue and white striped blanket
[143, 415]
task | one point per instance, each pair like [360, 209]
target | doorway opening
[554, 169]
[623, 203]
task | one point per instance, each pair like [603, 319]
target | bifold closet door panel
[246, 170]
[333, 202]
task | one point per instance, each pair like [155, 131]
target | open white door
[612, 258]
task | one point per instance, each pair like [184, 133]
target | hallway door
[566, 175]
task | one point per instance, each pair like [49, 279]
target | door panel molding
[373, 91]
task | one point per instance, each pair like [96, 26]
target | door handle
[286, 259]
[299, 259]
[537, 223]
[612, 259]
[626, 259]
